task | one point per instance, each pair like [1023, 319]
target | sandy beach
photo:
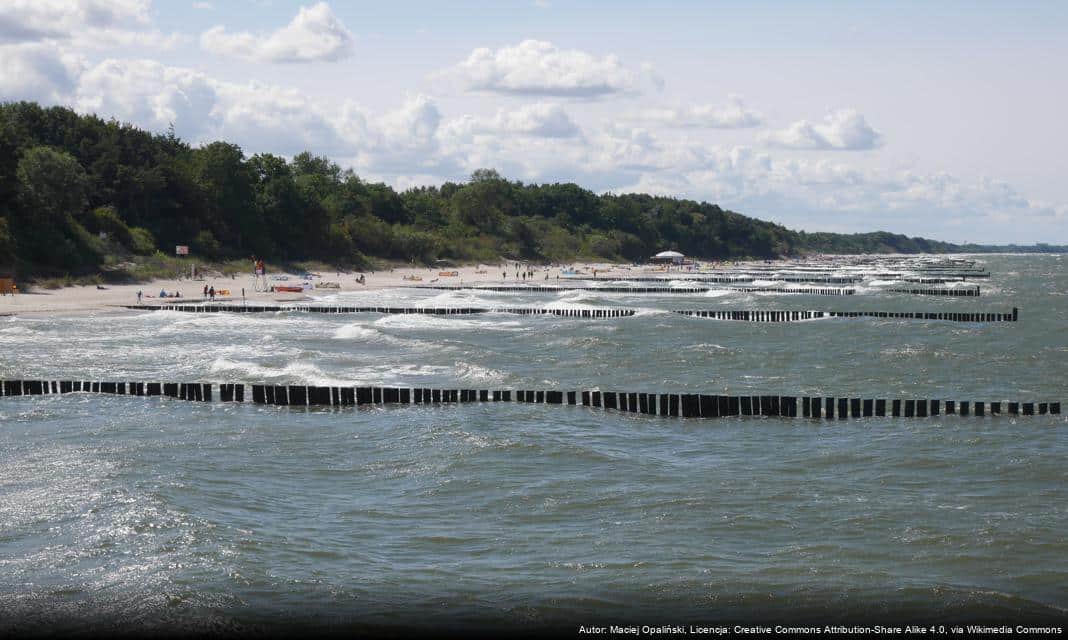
[85, 299]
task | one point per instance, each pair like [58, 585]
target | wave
[294, 372]
[16, 330]
[356, 331]
[722, 293]
[650, 311]
[179, 322]
[463, 298]
[477, 373]
[427, 322]
[573, 300]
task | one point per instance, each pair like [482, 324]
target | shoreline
[89, 299]
[93, 299]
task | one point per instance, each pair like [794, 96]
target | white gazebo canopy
[667, 257]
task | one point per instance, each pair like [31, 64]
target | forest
[80, 194]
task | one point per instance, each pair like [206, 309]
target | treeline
[78, 193]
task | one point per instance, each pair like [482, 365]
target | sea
[134, 514]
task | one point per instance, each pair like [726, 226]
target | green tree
[52, 189]
[227, 182]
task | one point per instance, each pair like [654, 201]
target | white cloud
[34, 20]
[38, 72]
[537, 68]
[149, 94]
[201, 108]
[203, 6]
[315, 34]
[86, 24]
[544, 120]
[733, 115]
[844, 129]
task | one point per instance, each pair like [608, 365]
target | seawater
[151, 513]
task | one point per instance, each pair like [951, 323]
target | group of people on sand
[209, 292]
[527, 272]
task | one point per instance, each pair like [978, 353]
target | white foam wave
[720, 293]
[356, 331]
[707, 346]
[297, 372]
[16, 330]
[571, 302]
[465, 298]
[427, 322]
[649, 311]
[478, 373]
[178, 322]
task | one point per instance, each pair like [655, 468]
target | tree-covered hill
[78, 193]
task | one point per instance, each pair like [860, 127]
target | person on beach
[138, 296]
[211, 293]
[205, 291]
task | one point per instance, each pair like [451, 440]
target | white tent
[673, 257]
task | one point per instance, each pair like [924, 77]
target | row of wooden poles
[732, 279]
[745, 315]
[795, 316]
[433, 311]
[896, 275]
[727, 279]
[663, 404]
[969, 292]
[834, 291]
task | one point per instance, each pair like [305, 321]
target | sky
[947, 120]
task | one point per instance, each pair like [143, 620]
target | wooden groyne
[431, 311]
[970, 292]
[932, 280]
[744, 315]
[813, 291]
[728, 279]
[797, 316]
[661, 404]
